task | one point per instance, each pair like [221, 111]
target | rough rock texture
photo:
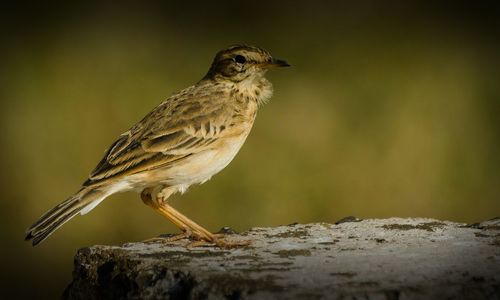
[352, 259]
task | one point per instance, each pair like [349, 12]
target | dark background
[390, 109]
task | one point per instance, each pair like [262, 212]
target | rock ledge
[394, 258]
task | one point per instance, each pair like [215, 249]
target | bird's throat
[258, 89]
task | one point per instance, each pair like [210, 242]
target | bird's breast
[199, 167]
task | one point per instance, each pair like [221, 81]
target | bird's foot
[203, 239]
[168, 239]
[198, 240]
[219, 241]
[199, 235]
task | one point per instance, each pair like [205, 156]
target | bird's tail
[81, 202]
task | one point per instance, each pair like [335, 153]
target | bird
[185, 140]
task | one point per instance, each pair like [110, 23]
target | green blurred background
[390, 109]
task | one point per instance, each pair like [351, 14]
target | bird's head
[240, 62]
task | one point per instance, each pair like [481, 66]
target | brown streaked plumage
[185, 140]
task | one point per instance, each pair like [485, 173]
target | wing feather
[177, 128]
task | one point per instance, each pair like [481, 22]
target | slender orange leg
[189, 227]
[148, 200]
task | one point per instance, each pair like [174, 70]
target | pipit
[185, 140]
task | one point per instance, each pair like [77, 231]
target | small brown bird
[185, 140]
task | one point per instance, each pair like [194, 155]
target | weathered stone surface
[370, 259]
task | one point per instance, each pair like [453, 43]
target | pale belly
[195, 169]
[201, 166]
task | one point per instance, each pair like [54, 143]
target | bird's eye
[240, 59]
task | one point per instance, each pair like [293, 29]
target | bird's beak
[276, 63]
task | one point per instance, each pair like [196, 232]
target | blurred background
[390, 109]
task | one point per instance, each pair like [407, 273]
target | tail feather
[62, 213]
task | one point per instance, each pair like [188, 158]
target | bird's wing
[179, 127]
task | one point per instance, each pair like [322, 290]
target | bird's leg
[189, 227]
[148, 200]
[192, 229]
[157, 202]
